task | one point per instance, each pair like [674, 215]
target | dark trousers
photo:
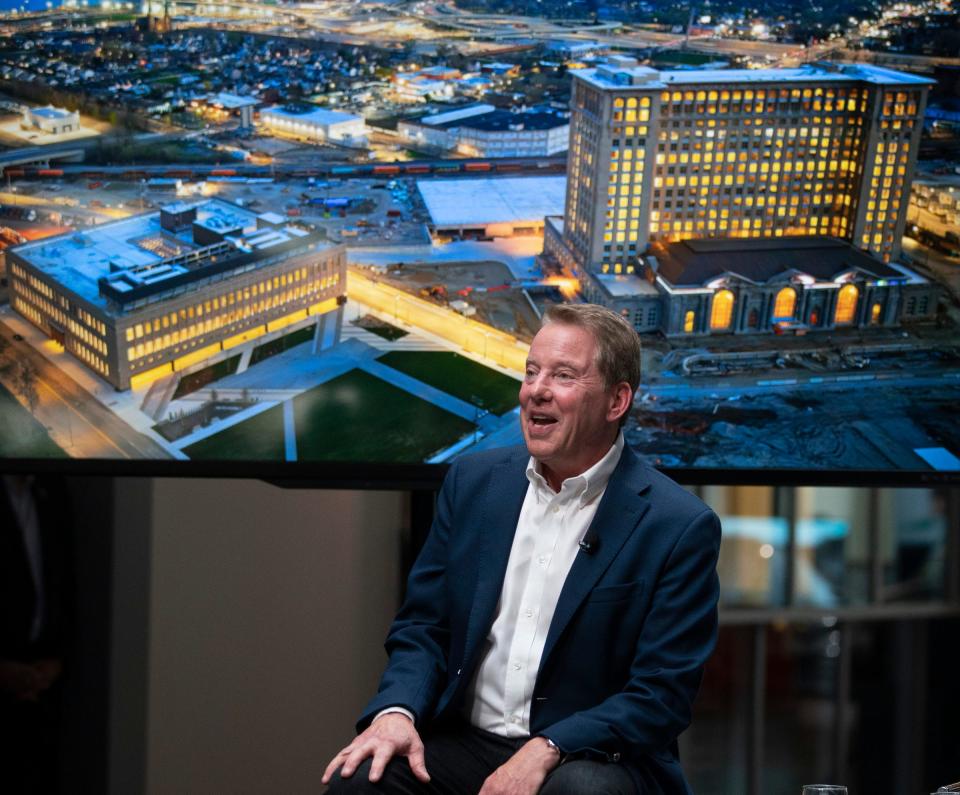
[459, 758]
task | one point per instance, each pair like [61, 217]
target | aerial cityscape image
[327, 232]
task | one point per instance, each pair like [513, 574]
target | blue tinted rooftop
[618, 75]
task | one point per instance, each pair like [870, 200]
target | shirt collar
[587, 485]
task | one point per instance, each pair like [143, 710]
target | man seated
[558, 619]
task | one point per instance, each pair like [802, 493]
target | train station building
[738, 201]
[171, 291]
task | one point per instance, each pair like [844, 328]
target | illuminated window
[722, 311]
[785, 304]
[875, 311]
[846, 304]
[688, 321]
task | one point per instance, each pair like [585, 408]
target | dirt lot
[480, 284]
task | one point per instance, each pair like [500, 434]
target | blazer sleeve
[418, 641]
[676, 640]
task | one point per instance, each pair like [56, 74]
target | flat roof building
[161, 292]
[234, 105]
[315, 124]
[748, 198]
[669, 155]
[484, 131]
[49, 119]
[491, 206]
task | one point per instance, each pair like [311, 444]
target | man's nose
[540, 388]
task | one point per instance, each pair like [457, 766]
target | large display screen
[244, 282]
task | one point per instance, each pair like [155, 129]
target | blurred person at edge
[35, 600]
[559, 616]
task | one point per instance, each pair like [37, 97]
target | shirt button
[517, 666]
[528, 613]
[543, 560]
[556, 509]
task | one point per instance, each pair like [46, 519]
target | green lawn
[21, 436]
[355, 417]
[258, 439]
[458, 376]
[358, 417]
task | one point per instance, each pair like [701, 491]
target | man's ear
[621, 397]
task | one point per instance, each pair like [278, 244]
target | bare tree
[25, 385]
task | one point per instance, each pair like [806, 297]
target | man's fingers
[336, 762]
[381, 756]
[418, 765]
[352, 762]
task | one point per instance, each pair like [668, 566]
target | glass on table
[824, 789]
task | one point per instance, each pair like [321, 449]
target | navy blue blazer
[635, 622]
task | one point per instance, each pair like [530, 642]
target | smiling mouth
[542, 420]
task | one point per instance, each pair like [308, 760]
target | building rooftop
[610, 76]
[624, 285]
[232, 101]
[309, 114]
[443, 119]
[480, 201]
[695, 263]
[487, 117]
[50, 112]
[502, 120]
[137, 252]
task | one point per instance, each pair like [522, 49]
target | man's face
[569, 417]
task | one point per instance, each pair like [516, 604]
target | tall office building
[821, 150]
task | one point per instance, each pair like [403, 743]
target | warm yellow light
[722, 311]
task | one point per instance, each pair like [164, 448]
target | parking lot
[369, 212]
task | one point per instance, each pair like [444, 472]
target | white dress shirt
[547, 540]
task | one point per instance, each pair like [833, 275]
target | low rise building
[437, 82]
[51, 120]
[173, 290]
[315, 124]
[484, 131]
[736, 286]
[488, 207]
[227, 105]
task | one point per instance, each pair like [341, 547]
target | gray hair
[618, 344]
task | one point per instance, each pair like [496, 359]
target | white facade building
[316, 124]
[483, 131]
[49, 119]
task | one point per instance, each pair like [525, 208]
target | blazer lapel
[620, 511]
[502, 503]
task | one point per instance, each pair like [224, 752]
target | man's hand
[524, 772]
[391, 735]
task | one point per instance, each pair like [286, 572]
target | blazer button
[615, 757]
[458, 671]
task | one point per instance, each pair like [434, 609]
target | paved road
[77, 421]
[774, 381]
